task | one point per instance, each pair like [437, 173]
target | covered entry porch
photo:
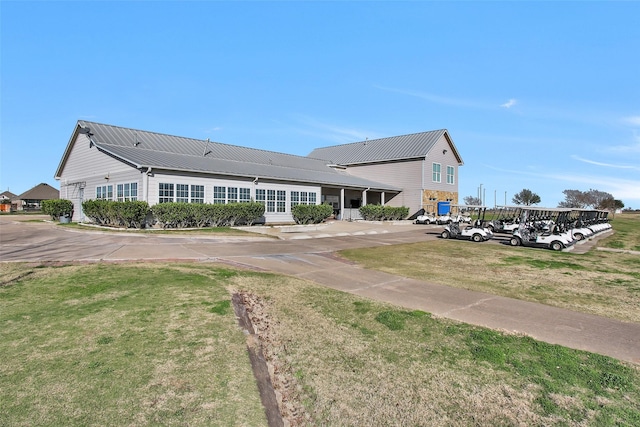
[346, 202]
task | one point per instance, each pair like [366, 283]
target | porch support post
[364, 197]
[342, 204]
[382, 198]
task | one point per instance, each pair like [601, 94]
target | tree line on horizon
[591, 199]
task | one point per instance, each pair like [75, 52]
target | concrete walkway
[307, 252]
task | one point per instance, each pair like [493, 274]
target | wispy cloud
[632, 120]
[438, 99]
[609, 165]
[620, 188]
[510, 103]
[333, 132]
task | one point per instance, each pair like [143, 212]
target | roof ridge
[385, 137]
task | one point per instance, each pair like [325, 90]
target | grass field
[599, 282]
[158, 344]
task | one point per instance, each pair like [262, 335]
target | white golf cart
[543, 228]
[476, 231]
[506, 220]
[427, 217]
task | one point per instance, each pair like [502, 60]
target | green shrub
[130, 214]
[383, 213]
[197, 215]
[311, 214]
[57, 208]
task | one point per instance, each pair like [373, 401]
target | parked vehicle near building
[544, 228]
[506, 220]
[476, 232]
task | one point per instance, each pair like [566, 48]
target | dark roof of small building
[40, 192]
[395, 148]
[8, 195]
[143, 150]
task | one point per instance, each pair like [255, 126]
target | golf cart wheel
[426, 221]
[556, 246]
[515, 241]
[449, 221]
[578, 236]
[445, 234]
[476, 238]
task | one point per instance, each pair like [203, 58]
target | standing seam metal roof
[148, 149]
[402, 147]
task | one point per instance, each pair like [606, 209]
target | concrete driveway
[306, 252]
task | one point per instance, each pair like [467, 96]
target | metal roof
[144, 149]
[404, 147]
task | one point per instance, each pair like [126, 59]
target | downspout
[146, 184]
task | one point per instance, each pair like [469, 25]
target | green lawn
[598, 282]
[158, 344]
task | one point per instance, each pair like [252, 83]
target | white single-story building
[115, 163]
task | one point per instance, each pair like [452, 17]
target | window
[450, 175]
[295, 198]
[281, 201]
[436, 172]
[133, 187]
[232, 194]
[303, 198]
[127, 192]
[245, 195]
[165, 193]
[104, 192]
[197, 194]
[219, 195]
[182, 193]
[271, 200]
[260, 196]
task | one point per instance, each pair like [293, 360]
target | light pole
[480, 194]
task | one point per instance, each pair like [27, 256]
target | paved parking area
[306, 252]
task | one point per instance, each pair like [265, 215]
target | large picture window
[436, 172]
[450, 175]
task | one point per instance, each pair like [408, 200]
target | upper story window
[451, 175]
[436, 172]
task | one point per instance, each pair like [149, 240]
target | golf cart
[543, 228]
[475, 232]
[580, 224]
[507, 220]
[427, 217]
[457, 213]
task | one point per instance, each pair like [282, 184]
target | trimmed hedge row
[132, 214]
[135, 214]
[383, 213]
[197, 215]
[311, 214]
[57, 208]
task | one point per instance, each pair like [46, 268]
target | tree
[470, 200]
[526, 197]
[594, 199]
[573, 199]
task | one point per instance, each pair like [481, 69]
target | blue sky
[537, 95]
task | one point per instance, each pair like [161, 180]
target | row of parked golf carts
[553, 228]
